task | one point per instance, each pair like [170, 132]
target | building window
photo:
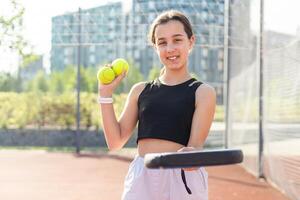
[221, 8]
[66, 61]
[112, 12]
[112, 24]
[68, 51]
[219, 90]
[220, 54]
[204, 15]
[220, 65]
[92, 59]
[151, 17]
[137, 19]
[221, 20]
[137, 7]
[203, 39]
[203, 64]
[92, 49]
[151, 5]
[204, 52]
[136, 54]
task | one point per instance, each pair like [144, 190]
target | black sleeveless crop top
[166, 112]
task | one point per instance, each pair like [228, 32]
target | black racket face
[193, 159]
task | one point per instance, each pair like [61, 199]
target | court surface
[42, 175]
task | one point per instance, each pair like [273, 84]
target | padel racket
[193, 158]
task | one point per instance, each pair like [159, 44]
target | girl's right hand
[106, 90]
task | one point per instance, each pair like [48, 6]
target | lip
[175, 57]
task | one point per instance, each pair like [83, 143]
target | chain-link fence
[264, 91]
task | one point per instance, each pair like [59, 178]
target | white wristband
[105, 100]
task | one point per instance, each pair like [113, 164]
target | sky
[37, 24]
[38, 17]
[38, 29]
[280, 15]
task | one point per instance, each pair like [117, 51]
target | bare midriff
[151, 145]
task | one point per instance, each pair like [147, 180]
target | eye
[161, 43]
[178, 40]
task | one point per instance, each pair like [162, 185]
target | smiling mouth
[172, 57]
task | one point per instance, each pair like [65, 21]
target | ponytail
[162, 71]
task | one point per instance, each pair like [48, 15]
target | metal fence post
[77, 137]
[226, 74]
[261, 95]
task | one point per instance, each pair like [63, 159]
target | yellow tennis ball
[105, 75]
[119, 65]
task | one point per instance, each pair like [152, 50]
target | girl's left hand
[185, 149]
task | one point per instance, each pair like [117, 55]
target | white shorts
[142, 183]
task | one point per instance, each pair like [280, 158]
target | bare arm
[117, 132]
[203, 115]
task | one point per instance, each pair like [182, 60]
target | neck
[171, 77]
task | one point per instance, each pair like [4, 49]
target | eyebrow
[175, 35]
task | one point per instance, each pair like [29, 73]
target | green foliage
[91, 78]
[14, 111]
[11, 26]
[39, 83]
[48, 110]
[7, 82]
[56, 110]
[28, 59]
[153, 73]
[219, 113]
[52, 110]
[133, 76]
[59, 82]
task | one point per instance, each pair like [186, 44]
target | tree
[57, 83]
[11, 34]
[69, 77]
[11, 26]
[84, 80]
[92, 79]
[28, 59]
[7, 82]
[42, 84]
[39, 83]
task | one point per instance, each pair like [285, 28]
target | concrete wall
[65, 138]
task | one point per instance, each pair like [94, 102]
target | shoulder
[205, 92]
[137, 89]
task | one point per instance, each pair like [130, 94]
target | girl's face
[173, 45]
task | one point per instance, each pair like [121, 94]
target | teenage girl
[174, 112]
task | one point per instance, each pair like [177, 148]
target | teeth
[172, 58]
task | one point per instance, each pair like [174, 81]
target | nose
[170, 48]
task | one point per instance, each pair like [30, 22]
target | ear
[192, 42]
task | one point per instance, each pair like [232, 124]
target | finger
[108, 65]
[190, 169]
[186, 149]
[117, 80]
[120, 77]
[123, 74]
